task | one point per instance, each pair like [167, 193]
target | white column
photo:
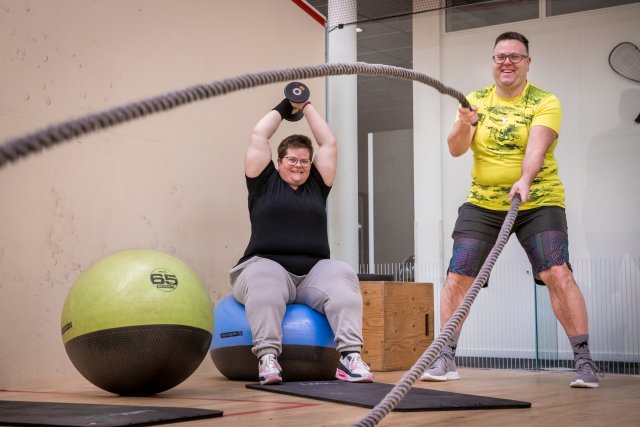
[342, 116]
[429, 143]
[428, 147]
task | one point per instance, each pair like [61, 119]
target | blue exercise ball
[308, 344]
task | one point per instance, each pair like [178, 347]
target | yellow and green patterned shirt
[499, 144]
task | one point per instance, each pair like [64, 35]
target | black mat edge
[513, 404]
[201, 414]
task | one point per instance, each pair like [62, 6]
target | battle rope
[396, 394]
[22, 146]
[15, 148]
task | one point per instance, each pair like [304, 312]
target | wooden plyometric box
[397, 323]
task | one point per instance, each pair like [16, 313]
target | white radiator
[512, 326]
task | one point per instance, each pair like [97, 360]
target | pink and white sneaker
[353, 369]
[269, 370]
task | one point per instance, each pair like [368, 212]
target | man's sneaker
[353, 369]
[269, 370]
[443, 368]
[586, 374]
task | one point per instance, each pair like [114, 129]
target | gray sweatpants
[265, 288]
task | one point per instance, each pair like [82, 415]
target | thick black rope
[22, 146]
[13, 149]
[398, 392]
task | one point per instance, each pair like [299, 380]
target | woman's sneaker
[586, 374]
[269, 370]
[353, 369]
[442, 369]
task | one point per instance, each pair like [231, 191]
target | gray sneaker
[443, 368]
[586, 374]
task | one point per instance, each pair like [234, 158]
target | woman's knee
[265, 270]
[335, 269]
[339, 273]
[333, 283]
[263, 278]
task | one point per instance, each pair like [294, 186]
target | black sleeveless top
[288, 226]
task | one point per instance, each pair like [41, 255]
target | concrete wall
[172, 181]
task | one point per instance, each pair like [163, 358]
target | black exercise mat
[369, 395]
[19, 413]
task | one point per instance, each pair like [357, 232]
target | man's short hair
[512, 35]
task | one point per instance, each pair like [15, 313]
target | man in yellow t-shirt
[512, 129]
[499, 145]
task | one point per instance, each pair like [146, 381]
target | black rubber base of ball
[298, 362]
[139, 360]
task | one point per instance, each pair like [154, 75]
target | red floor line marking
[257, 411]
[229, 400]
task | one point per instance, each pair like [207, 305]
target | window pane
[385, 110]
[492, 13]
[560, 7]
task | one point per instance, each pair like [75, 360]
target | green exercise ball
[137, 322]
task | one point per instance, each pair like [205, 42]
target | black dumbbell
[298, 93]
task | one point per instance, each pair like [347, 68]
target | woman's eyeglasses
[292, 161]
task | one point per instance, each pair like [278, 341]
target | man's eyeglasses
[514, 58]
[292, 161]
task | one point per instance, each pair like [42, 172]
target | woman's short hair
[295, 141]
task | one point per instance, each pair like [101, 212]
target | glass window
[492, 13]
[385, 111]
[560, 7]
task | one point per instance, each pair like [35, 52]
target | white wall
[172, 181]
[598, 150]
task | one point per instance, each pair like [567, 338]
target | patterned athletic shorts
[542, 232]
